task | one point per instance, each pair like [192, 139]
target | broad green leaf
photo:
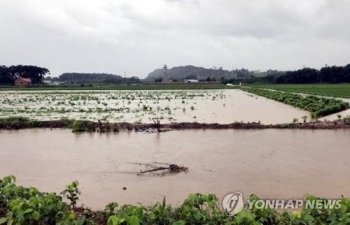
[81, 221]
[198, 216]
[36, 215]
[134, 220]
[28, 211]
[138, 212]
[113, 220]
[211, 197]
[179, 222]
[3, 220]
[75, 184]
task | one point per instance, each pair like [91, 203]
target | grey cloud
[195, 2]
[138, 36]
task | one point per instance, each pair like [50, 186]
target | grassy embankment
[333, 90]
[318, 106]
[15, 123]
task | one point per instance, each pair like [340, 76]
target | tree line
[9, 74]
[89, 78]
[327, 74]
[92, 78]
[333, 74]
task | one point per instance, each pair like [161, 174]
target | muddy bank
[89, 126]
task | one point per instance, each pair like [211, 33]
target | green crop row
[333, 90]
[318, 106]
[29, 206]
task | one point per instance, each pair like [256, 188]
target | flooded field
[270, 163]
[203, 106]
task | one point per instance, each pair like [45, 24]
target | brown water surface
[270, 163]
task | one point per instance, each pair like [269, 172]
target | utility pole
[165, 73]
[125, 76]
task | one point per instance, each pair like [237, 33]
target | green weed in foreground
[23, 205]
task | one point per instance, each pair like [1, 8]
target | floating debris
[161, 169]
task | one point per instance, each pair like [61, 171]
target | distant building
[52, 83]
[191, 81]
[229, 84]
[23, 82]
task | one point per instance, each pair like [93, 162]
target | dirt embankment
[88, 126]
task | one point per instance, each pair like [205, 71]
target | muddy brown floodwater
[270, 163]
[208, 106]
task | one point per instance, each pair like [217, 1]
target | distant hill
[181, 73]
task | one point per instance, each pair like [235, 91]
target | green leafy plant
[82, 125]
[316, 105]
[22, 205]
[71, 192]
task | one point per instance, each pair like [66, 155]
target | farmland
[316, 105]
[103, 105]
[334, 90]
[203, 106]
[219, 161]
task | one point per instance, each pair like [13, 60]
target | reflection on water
[270, 163]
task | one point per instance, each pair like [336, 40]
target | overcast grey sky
[139, 36]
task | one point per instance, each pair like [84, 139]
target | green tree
[5, 77]
[35, 73]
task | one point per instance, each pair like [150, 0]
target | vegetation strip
[13, 123]
[332, 90]
[23, 205]
[316, 105]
